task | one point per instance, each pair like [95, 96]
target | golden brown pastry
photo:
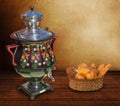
[82, 65]
[79, 76]
[85, 72]
[104, 70]
[89, 75]
[101, 67]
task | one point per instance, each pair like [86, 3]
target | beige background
[86, 30]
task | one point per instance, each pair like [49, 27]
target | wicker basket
[86, 85]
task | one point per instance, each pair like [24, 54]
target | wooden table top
[62, 95]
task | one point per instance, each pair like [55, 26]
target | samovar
[32, 55]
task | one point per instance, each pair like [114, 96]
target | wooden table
[62, 95]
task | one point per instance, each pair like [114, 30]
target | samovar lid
[32, 32]
[31, 13]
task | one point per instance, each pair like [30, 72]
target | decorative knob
[31, 8]
[46, 28]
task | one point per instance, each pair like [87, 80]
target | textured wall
[86, 30]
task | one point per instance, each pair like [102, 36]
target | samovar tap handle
[9, 47]
[50, 75]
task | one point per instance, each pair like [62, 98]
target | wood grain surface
[86, 30]
[62, 95]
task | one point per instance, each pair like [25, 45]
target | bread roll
[101, 67]
[104, 70]
[82, 65]
[91, 75]
[79, 76]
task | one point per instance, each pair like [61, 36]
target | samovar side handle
[9, 47]
[52, 43]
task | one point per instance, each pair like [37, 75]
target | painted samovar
[32, 55]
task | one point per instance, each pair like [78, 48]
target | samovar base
[33, 90]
